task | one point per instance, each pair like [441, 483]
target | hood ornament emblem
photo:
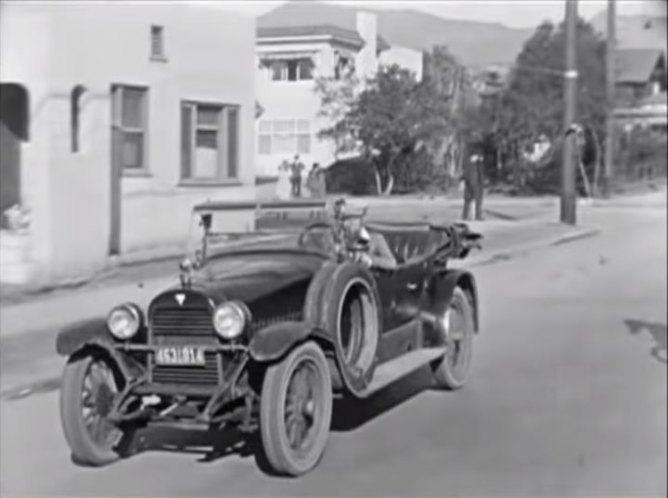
[180, 298]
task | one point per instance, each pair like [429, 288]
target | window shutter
[232, 141]
[186, 140]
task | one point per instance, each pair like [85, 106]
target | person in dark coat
[296, 178]
[473, 185]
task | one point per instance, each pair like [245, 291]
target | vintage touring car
[262, 337]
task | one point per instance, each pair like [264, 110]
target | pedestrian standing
[473, 186]
[296, 177]
[283, 186]
[321, 182]
[316, 181]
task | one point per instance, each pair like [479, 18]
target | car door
[387, 286]
[409, 289]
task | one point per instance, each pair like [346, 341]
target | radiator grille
[183, 323]
[185, 327]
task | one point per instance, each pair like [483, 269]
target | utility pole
[610, 100]
[568, 173]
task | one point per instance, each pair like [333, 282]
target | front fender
[93, 333]
[75, 336]
[272, 342]
[444, 286]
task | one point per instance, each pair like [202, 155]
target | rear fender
[444, 287]
[273, 342]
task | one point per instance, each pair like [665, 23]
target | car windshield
[311, 227]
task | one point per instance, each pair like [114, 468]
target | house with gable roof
[641, 83]
[290, 57]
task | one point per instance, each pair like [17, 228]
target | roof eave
[269, 40]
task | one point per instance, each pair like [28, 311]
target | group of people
[290, 180]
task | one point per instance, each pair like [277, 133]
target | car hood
[252, 275]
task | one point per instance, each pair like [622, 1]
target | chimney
[366, 63]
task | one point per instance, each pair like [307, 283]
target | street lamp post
[568, 191]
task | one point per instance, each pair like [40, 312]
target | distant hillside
[476, 44]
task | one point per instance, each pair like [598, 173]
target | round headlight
[229, 320]
[124, 321]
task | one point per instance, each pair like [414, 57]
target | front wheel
[88, 390]
[457, 327]
[296, 410]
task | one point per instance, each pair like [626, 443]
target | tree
[337, 96]
[450, 81]
[387, 120]
[532, 103]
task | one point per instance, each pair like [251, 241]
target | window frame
[295, 132]
[223, 131]
[76, 97]
[159, 31]
[117, 90]
[284, 71]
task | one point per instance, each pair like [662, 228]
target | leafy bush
[642, 154]
[351, 176]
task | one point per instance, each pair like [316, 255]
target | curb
[521, 249]
[111, 272]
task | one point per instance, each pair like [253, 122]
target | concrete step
[14, 257]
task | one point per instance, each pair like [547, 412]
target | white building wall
[50, 48]
[293, 100]
[296, 100]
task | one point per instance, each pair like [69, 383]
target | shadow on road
[350, 414]
[656, 331]
[211, 446]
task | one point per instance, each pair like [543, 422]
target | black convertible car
[262, 337]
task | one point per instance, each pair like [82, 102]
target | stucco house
[116, 119]
[290, 57]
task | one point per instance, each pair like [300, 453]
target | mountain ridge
[477, 44]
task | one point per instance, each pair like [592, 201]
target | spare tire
[343, 300]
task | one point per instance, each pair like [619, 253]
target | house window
[76, 97]
[284, 137]
[131, 121]
[344, 65]
[157, 43]
[292, 70]
[209, 141]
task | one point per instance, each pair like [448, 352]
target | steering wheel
[321, 234]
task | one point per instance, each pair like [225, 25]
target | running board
[395, 369]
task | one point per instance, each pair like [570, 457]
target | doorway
[14, 125]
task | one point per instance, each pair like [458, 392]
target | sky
[513, 13]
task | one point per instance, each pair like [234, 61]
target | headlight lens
[229, 320]
[124, 321]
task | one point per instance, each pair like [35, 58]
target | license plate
[180, 356]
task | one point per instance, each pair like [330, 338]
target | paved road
[566, 398]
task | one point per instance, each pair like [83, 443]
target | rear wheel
[457, 327]
[88, 390]
[296, 410]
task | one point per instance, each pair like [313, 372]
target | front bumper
[230, 400]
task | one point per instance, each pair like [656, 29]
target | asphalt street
[567, 398]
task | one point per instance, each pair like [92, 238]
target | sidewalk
[142, 282]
